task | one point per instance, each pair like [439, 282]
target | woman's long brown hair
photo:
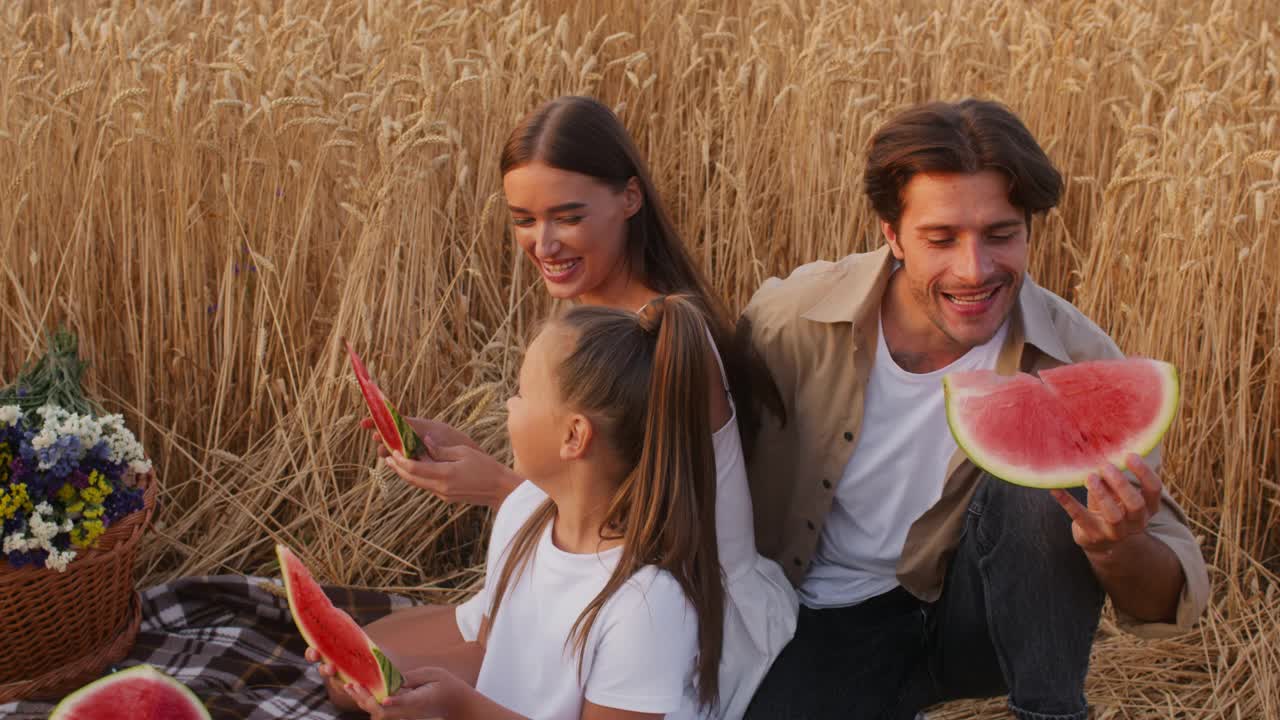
[581, 135]
[643, 381]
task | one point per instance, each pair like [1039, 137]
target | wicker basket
[58, 630]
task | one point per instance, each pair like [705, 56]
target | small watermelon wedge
[392, 428]
[333, 633]
[1055, 429]
[141, 692]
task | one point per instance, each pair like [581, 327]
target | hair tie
[650, 316]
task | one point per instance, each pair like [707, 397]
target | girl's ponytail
[674, 501]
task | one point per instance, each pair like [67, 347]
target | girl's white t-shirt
[639, 655]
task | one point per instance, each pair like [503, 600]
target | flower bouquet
[75, 494]
[64, 479]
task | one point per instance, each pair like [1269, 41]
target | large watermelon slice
[139, 693]
[333, 633]
[1053, 430]
[394, 431]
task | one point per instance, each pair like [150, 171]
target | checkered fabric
[230, 639]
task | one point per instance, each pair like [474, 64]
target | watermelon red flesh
[139, 693]
[377, 403]
[333, 633]
[1055, 430]
[1108, 401]
[394, 431]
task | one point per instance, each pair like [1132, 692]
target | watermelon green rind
[393, 678]
[412, 444]
[68, 707]
[389, 678]
[1071, 476]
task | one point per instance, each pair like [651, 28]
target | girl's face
[537, 420]
[574, 228]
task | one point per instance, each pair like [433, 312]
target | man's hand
[1140, 574]
[1116, 511]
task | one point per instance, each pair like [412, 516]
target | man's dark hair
[963, 137]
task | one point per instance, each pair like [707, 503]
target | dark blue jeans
[1017, 617]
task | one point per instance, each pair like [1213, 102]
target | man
[921, 578]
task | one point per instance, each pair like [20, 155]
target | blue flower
[122, 502]
[19, 558]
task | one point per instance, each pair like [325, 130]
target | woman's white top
[761, 605]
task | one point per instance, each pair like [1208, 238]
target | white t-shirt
[639, 655]
[895, 474]
[760, 604]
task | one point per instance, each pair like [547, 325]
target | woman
[586, 213]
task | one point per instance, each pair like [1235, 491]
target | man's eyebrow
[998, 225]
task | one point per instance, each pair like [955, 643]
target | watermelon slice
[333, 633]
[1054, 430]
[139, 693]
[394, 431]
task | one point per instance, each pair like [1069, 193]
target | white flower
[14, 542]
[42, 529]
[10, 415]
[44, 439]
[57, 560]
[140, 467]
[122, 446]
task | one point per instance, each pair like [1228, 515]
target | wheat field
[212, 193]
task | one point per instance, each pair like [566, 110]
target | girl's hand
[457, 474]
[334, 687]
[427, 693]
[433, 433]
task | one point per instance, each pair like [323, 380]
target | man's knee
[1029, 517]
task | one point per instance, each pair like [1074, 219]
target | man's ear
[577, 437]
[891, 237]
[632, 197]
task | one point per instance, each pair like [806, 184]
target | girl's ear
[632, 197]
[577, 437]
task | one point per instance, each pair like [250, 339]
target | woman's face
[574, 228]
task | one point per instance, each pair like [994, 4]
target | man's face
[963, 248]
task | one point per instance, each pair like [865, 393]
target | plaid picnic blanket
[234, 644]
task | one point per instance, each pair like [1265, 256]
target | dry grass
[212, 192]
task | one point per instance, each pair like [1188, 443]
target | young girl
[603, 596]
[586, 213]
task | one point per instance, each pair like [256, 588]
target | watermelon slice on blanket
[333, 633]
[392, 428]
[140, 693]
[1055, 429]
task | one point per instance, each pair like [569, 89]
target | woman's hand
[432, 432]
[454, 467]
[427, 693]
[457, 474]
